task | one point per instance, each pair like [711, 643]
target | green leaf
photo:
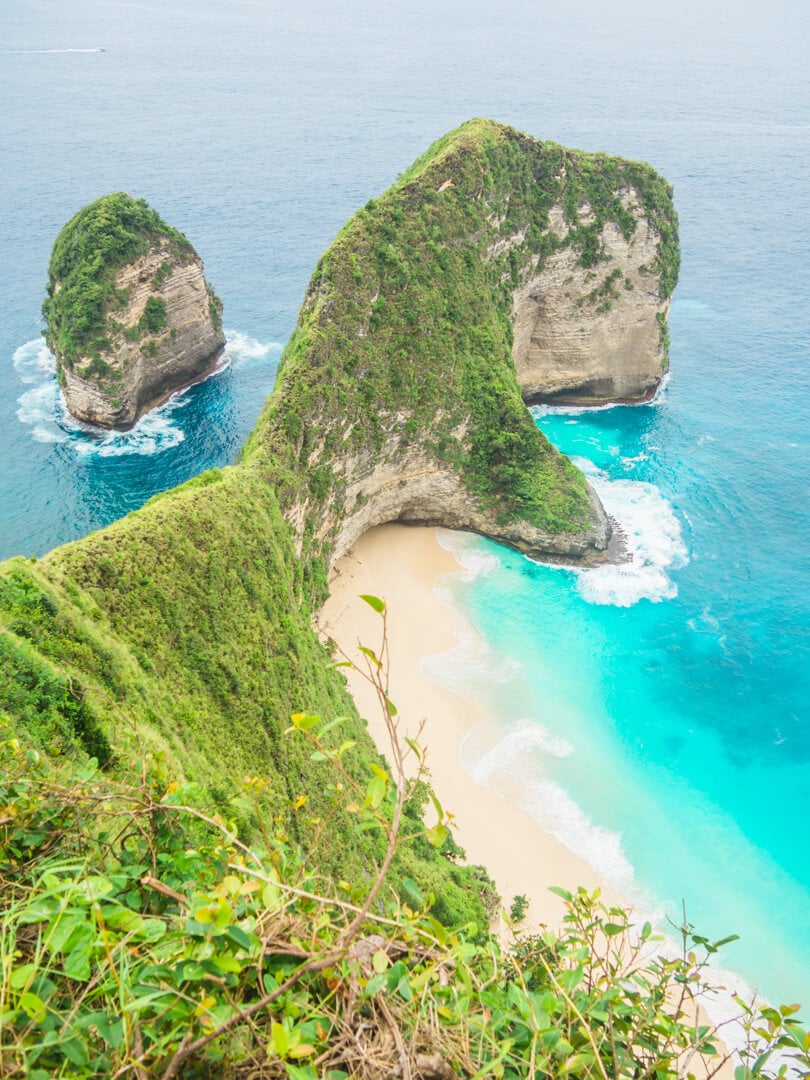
[564, 893]
[238, 936]
[281, 1042]
[437, 835]
[77, 964]
[33, 1007]
[611, 929]
[375, 792]
[414, 893]
[379, 961]
[304, 721]
[374, 602]
[21, 976]
[370, 654]
[75, 1051]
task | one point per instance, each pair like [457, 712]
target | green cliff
[129, 315]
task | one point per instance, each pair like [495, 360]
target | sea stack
[129, 315]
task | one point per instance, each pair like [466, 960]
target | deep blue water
[669, 736]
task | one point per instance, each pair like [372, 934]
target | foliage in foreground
[140, 937]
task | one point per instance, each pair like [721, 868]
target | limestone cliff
[397, 396]
[130, 317]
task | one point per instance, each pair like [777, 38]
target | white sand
[402, 565]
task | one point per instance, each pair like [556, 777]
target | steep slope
[129, 314]
[397, 397]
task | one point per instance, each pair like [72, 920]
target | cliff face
[592, 335]
[130, 316]
[494, 256]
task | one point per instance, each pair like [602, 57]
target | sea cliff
[397, 396]
[129, 315]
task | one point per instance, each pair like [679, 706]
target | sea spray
[42, 407]
[652, 539]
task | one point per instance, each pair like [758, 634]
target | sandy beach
[402, 565]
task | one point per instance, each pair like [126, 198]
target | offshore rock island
[129, 315]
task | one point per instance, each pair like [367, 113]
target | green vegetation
[406, 326]
[141, 936]
[96, 243]
[206, 867]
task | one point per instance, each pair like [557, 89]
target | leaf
[75, 1051]
[417, 749]
[302, 1050]
[77, 964]
[375, 792]
[33, 1007]
[21, 976]
[304, 721]
[238, 936]
[281, 1042]
[414, 893]
[374, 602]
[564, 893]
[370, 654]
[379, 961]
[611, 929]
[437, 835]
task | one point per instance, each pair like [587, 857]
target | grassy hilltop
[190, 888]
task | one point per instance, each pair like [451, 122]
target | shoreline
[403, 565]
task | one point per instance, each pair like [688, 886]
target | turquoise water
[658, 716]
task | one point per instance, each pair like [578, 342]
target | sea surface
[655, 715]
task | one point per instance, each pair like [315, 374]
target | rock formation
[130, 317]
[494, 255]
[588, 336]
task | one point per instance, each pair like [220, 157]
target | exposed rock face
[145, 372]
[498, 269]
[592, 335]
[129, 315]
[410, 488]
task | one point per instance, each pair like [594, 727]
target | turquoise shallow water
[658, 718]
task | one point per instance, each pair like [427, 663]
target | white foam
[539, 411]
[42, 407]
[34, 361]
[653, 538]
[525, 737]
[470, 657]
[241, 347]
[49, 52]
[475, 562]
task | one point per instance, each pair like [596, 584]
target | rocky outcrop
[142, 373]
[590, 335]
[132, 319]
[408, 487]
[498, 269]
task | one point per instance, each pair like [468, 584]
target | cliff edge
[129, 315]
[497, 269]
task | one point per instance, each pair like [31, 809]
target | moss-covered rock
[129, 315]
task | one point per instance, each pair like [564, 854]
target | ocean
[653, 715]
